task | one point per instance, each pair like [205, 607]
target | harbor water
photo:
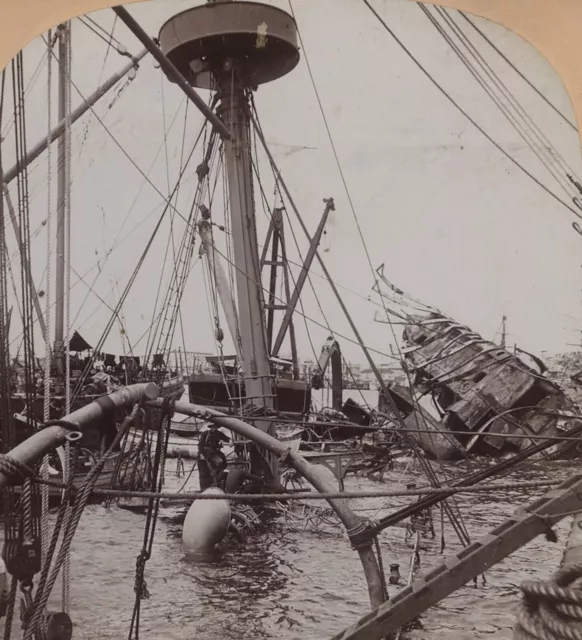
[288, 584]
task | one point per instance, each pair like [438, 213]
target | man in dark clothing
[211, 460]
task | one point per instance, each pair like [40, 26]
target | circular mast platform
[233, 47]
[259, 40]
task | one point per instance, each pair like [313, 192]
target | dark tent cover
[78, 343]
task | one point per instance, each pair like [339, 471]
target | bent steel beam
[105, 406]
[39, 444]
[314, 474]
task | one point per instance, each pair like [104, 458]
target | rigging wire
[465, 113]
[455, 521]
[149, 328]
[66, 32]
[542, 138]
[514, 67]
[266, 208]
[100, 32]
[6, 423]
[182, 258]
[146, 179]
[165, 147]
[132, 278]
[180, 272]
[9, 125]
[100, 77]
[543, 153]
[122, 149]
[116, 242]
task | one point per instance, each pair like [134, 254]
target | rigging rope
[425, 463]
[425, 493]
[140, 588]
[71, 523]
[542, 152]
[551, 610]
[66, 33]
[519, 73]
[127, 289]
[544, 141]
[464, 113]
[48, 290]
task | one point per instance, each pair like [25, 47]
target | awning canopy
[78, 343]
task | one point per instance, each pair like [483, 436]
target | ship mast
[232, 48]
[63, 221]
[234, 110]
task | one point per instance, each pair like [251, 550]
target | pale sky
[456, 224]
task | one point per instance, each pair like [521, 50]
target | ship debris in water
[488, 400]
[252, 429]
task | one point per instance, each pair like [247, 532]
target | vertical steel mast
[232, 48]
[234, 112]
[62, 180]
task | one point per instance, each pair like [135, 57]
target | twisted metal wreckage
[30, 548]
[23, 551]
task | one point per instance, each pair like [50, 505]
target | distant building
[390, 372]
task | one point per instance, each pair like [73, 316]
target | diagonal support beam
[87, 104]
[171, 71]
[311, 254]
[459, 569]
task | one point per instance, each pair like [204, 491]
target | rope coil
[551, 610]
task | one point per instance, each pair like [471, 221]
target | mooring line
[308, 495]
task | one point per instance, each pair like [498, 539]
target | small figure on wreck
[421, 521]
[211, 460]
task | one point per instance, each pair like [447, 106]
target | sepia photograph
[291, 320]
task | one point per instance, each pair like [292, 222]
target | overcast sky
[456, 224]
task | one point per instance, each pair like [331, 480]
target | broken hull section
[487, 395]
[421, 425]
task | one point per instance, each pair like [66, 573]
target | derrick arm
[292, 304]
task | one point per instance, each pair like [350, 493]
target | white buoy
[206, 523]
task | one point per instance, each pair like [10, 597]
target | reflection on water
[288, 585]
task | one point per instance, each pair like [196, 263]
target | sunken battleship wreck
[489, 400]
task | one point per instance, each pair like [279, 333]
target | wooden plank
[472, 561]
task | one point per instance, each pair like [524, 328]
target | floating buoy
[206, 523]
